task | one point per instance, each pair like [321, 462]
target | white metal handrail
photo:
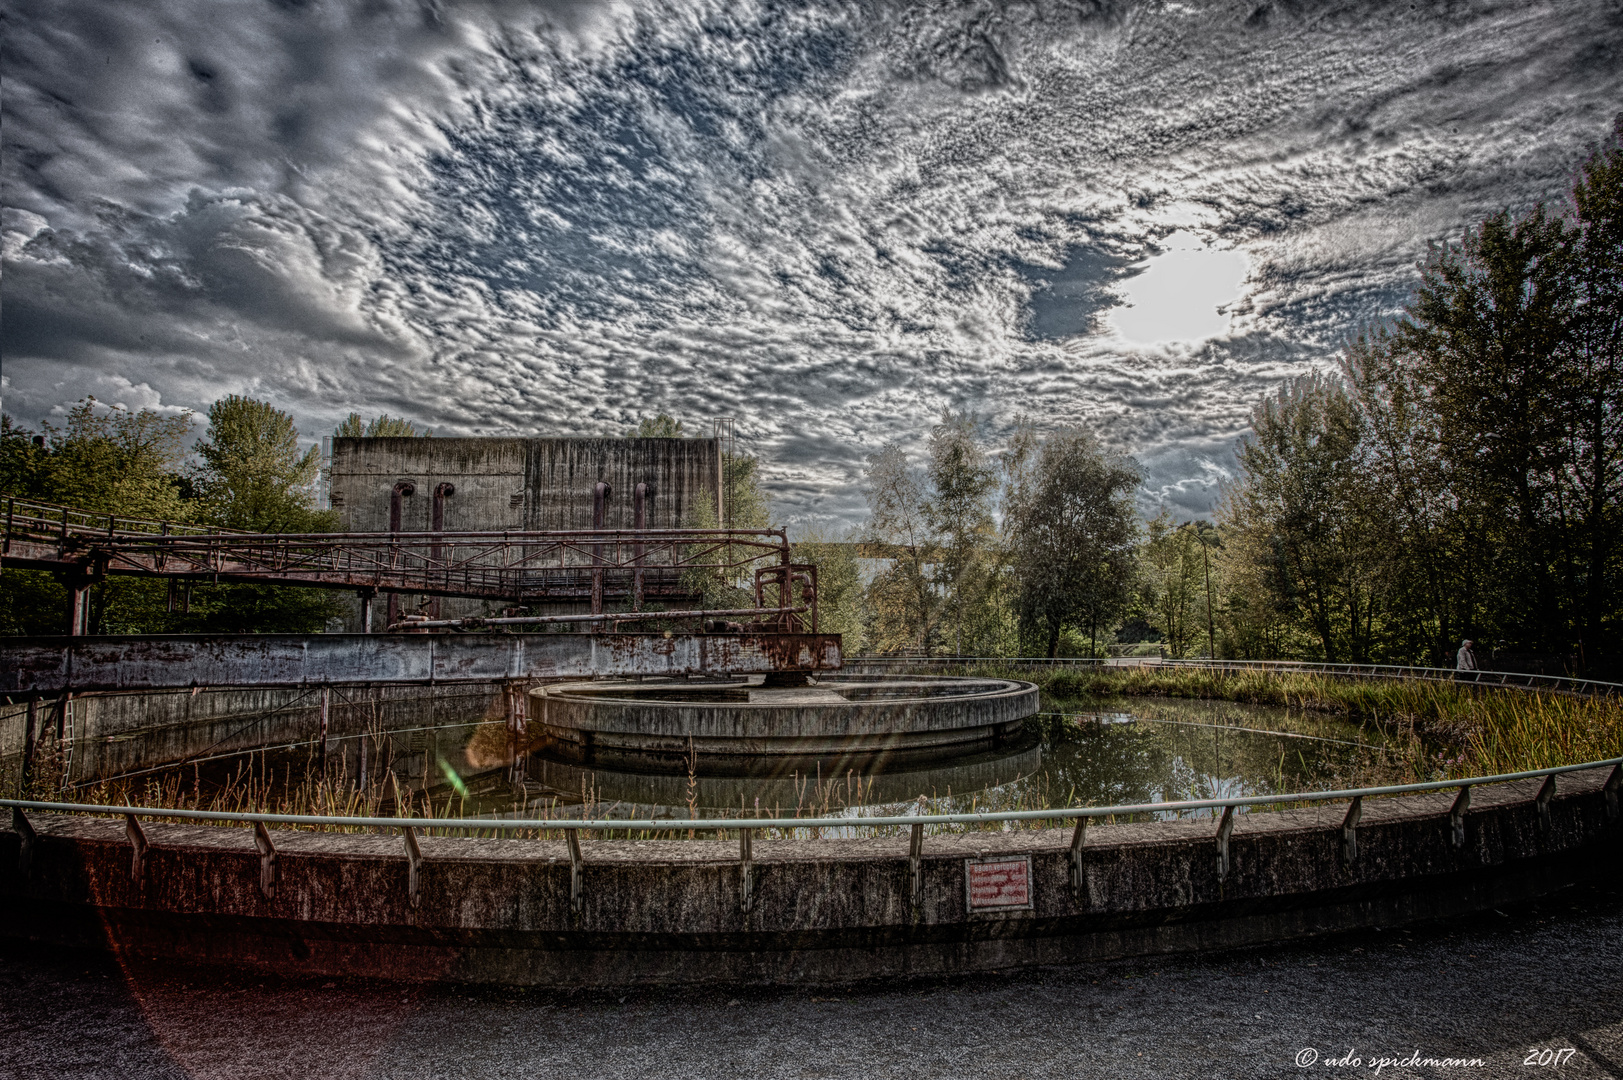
[593, 825]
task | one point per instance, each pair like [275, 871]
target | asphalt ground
[1495, 991]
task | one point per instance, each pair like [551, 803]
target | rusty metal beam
[55, 665]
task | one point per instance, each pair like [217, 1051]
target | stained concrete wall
[836, 720]
[822, 911]
[517, 483]
[115, 734]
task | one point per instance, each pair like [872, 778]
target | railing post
[915, 863]
[1224, 830]
[414, 860]
[1546, 792]
[27, 839]
[1456, 816]
[1613, 783]
[269, 872]
[1078, 837]
[138, 846]
[577, 884]
[1349, 830]
[746, 882]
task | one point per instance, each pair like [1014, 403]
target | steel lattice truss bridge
[601, 566]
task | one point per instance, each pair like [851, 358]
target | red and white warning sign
[1003, 882]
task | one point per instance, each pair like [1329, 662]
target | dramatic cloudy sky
[830, 221]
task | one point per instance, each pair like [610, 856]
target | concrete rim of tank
[818, 718]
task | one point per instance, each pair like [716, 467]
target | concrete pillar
[79, 607]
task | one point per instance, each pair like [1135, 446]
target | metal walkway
[514, 566]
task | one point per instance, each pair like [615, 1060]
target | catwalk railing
[509, 565]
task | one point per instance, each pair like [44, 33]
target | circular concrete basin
[727, 727]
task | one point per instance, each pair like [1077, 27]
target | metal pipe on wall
[600, 498]
[639, 521]
[442, 491]
[397, 497]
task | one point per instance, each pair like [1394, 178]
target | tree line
[966, 552]
[1454, 476]
[1457, 476]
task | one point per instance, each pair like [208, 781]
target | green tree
[252, 475]
[959, 513]
[1591, 393]
[383, 426]
[659, 427]
[1073, 530]
[840, 592]
[746, 506]
[1315, 519]
[103, 459]
[904, 604]
[1486, 335]
[1171, 582]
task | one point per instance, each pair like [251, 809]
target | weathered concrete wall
[115, 734]
[515, 483]
[636, 723]
[823, 911]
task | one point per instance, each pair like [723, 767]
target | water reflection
[1130, 751]
[1120, 752]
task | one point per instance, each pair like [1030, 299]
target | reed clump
[1459, 728]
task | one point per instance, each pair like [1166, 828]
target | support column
[326, 703]
[366, 596]
[30, 723]
[79, 606]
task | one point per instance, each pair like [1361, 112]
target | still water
[1134, 750]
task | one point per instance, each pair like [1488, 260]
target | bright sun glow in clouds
[1177, 295]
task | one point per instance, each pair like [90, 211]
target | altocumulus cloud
[830, 221]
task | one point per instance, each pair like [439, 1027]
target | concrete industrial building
[497, 484]
[515, 483]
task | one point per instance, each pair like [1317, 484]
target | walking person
[1465, 659]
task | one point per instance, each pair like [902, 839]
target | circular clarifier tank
[741, 728]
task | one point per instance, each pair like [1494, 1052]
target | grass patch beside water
[1454, 729]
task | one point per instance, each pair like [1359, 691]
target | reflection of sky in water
[1143, 752]
[1119, 753]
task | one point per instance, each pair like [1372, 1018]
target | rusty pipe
[639, 522]
[401, 490]
[600, 498]
[442, 491]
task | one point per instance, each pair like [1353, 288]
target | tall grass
[1454, 729]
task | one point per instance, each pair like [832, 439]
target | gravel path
[1494, 987]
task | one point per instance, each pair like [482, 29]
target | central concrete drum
[742, 728]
